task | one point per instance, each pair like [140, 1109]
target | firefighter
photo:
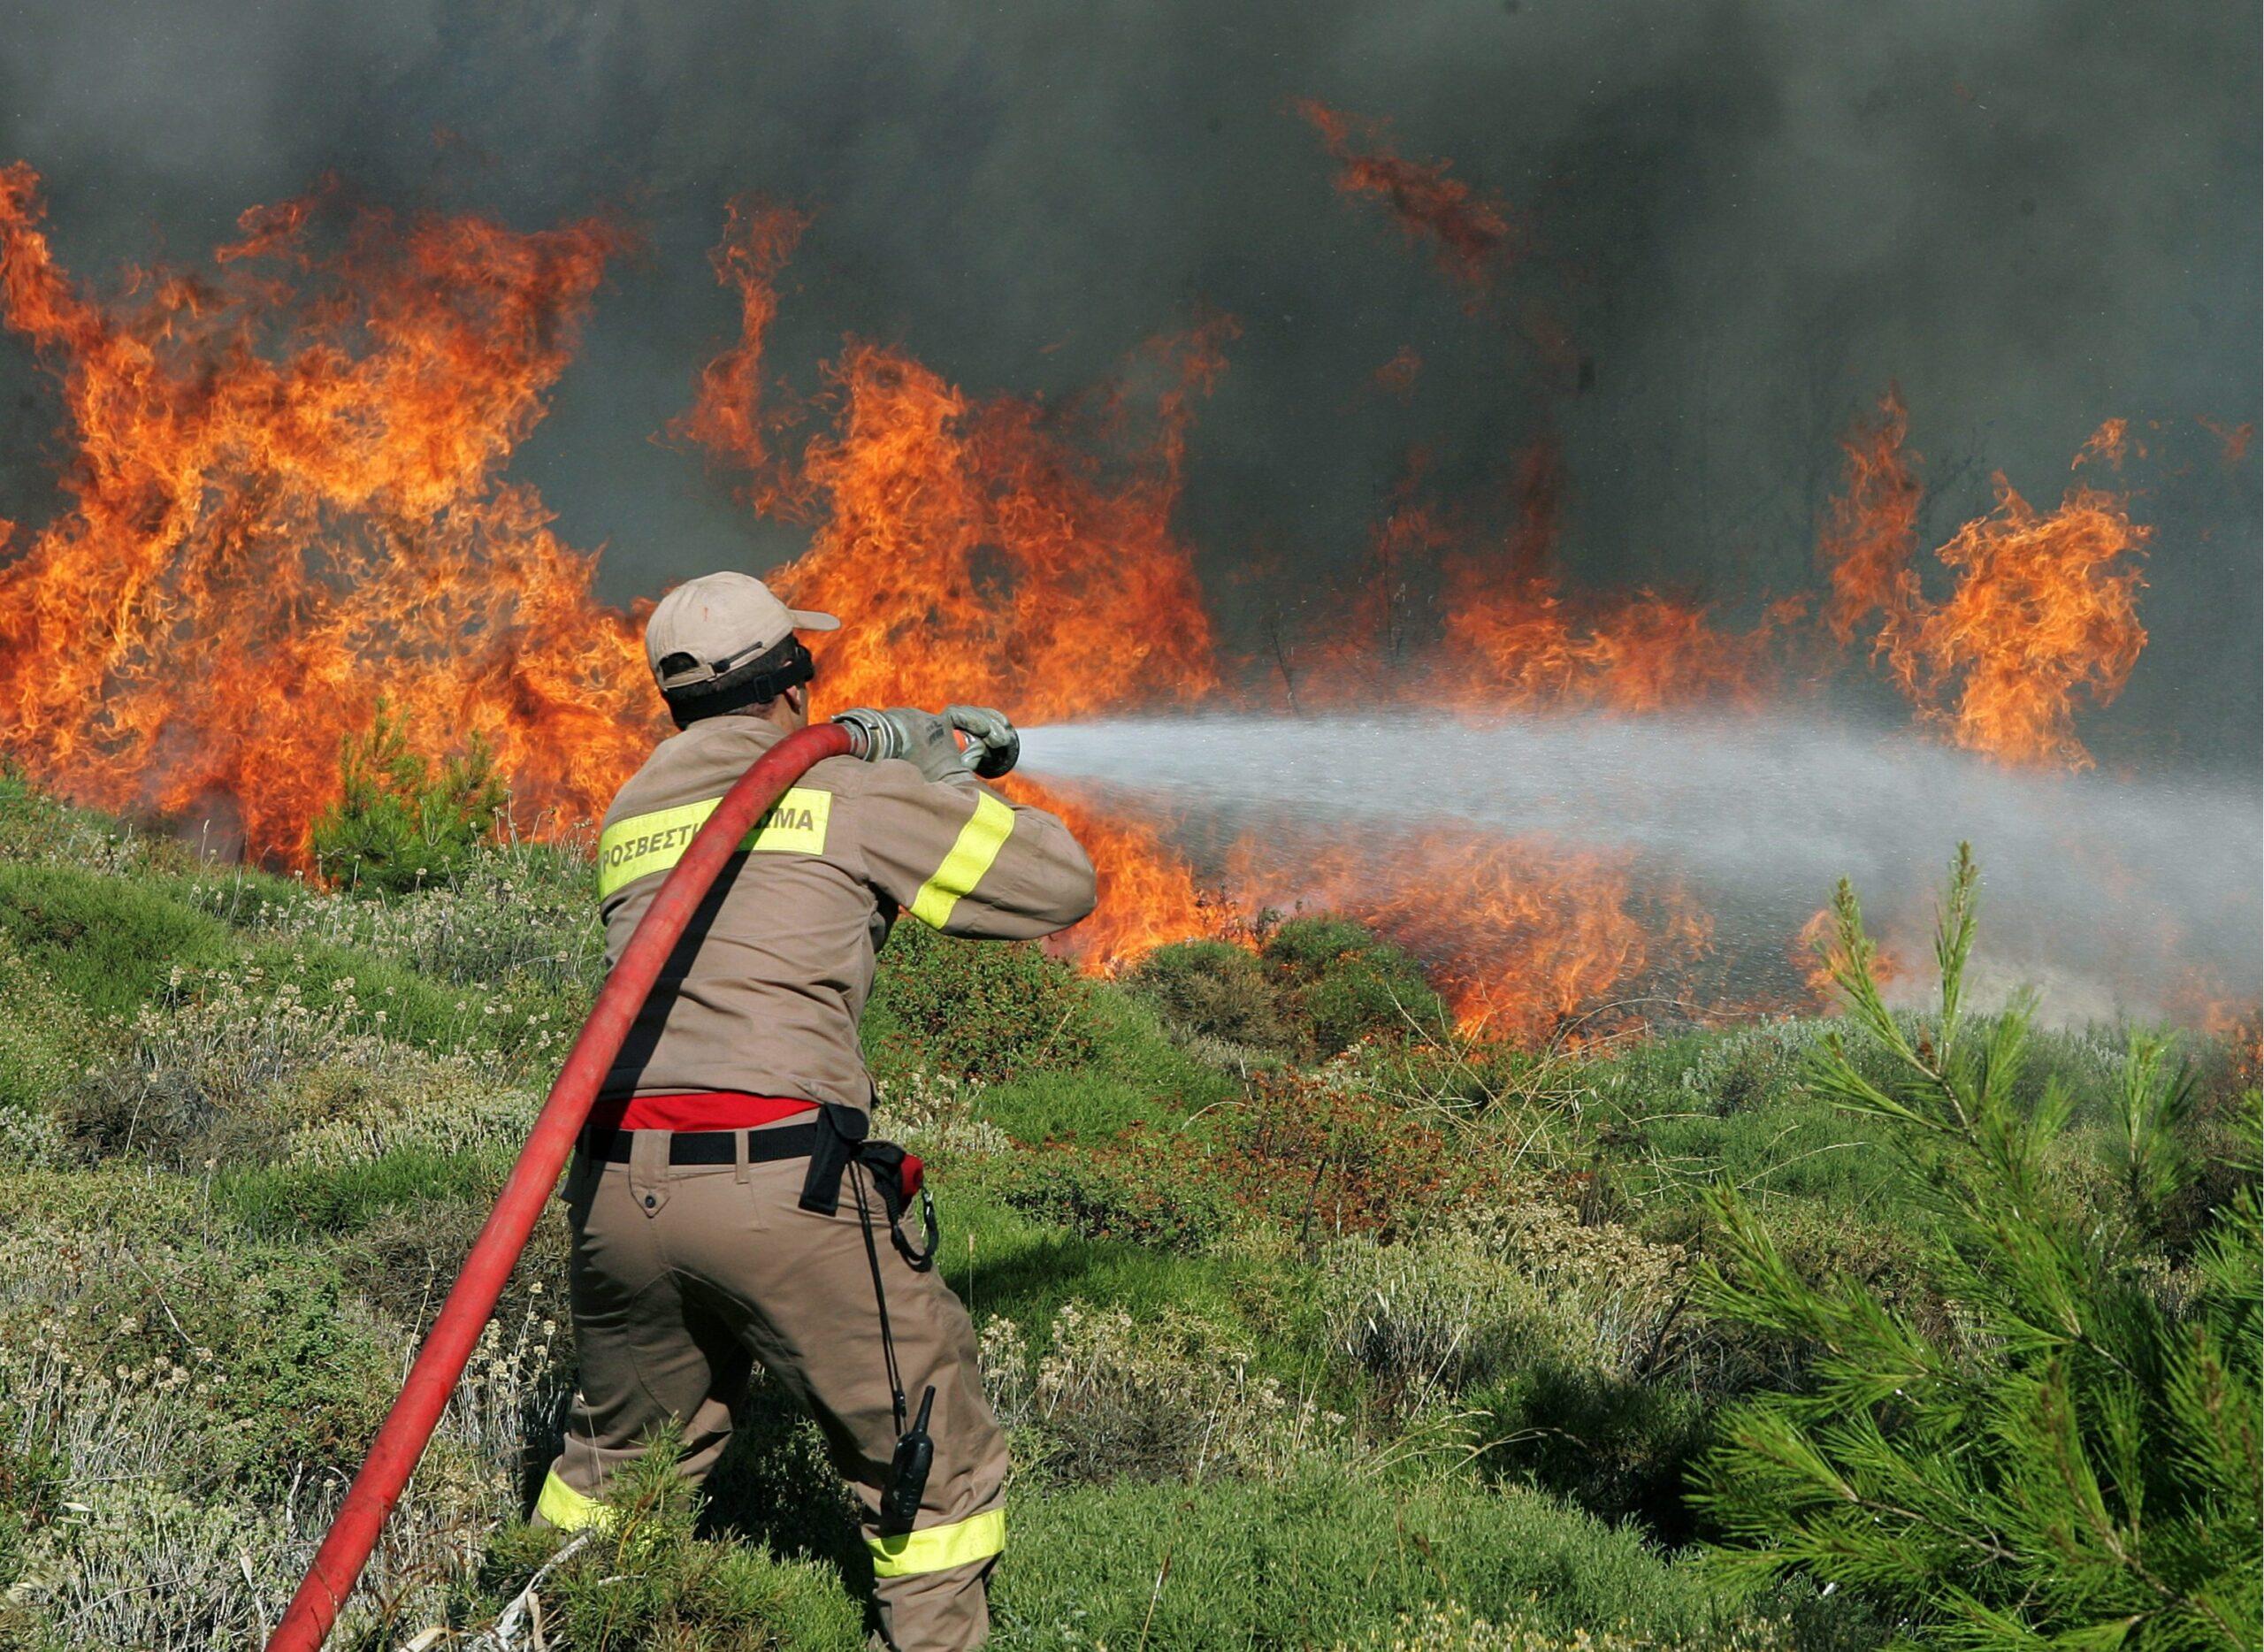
[726, 1205]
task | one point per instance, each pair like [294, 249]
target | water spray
[2096, 882]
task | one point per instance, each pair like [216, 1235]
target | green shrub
[1109, 1397]
[2083, 1464]
[1571, 1343]
[1341, 984]
[1134, 1075]
[979, 1010]
[1618, 1448]
[1322, 1557]
[32, 1490]
[1321, 1161]
[397, 826]
[1143, 1189]
[1210, 990]
[37, 828]
[258, 1354]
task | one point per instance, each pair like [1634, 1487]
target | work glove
[993, 744]
[921, 738]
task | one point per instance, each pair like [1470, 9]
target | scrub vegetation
[1313, 1324]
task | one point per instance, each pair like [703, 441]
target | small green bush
[1109, 1397]
[977, 1010]
[1210, 990]
[397, 826]
[108, 943]
[1144, 1189]
[258, 1353]
[1341, 984]
[32, 1490]
[46, 1040]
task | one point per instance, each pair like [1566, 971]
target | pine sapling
[2076, 1462]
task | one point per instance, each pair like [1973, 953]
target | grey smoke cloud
[1751, 215]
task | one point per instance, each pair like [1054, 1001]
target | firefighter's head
[724, 644]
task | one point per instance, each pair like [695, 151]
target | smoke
[1745, 217]
[2113, 896]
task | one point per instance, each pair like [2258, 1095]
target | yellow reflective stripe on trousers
[978, 845]
[939, 1548]
[567, 1509]
[645, 844]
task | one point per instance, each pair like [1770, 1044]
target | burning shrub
[975, 1010]
[397, 826]
[2085, 1468]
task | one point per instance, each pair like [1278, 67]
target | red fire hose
[441, 1361]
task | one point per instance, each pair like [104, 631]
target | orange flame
[288, 502]
[999, 551]
[1149, 893]
[727, 415]
[1528, 938]
[1512, 640]
[1466, 229]
[988, 548]
[2044, 606]
[1872, 529]
[2109, 445]
[1817, 953]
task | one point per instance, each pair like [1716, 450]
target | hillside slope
[1312, 1326]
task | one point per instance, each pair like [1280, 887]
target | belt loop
[649, 1169]
[739, 1140]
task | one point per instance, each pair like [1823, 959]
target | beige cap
[714, 624]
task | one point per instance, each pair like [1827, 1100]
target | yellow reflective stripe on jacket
[939, 1548]
[978, 845]
[645, 844]
[567, 1509]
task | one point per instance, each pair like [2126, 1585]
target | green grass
[324, 1200]
[1146, 1153]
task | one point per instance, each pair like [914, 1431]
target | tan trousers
[680, 1274]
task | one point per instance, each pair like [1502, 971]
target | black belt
[709, 1147]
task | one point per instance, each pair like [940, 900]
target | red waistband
[699, 1110]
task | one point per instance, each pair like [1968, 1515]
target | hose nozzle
[992, 744]
[872, 737]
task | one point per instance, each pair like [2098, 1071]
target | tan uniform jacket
[764, 992]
